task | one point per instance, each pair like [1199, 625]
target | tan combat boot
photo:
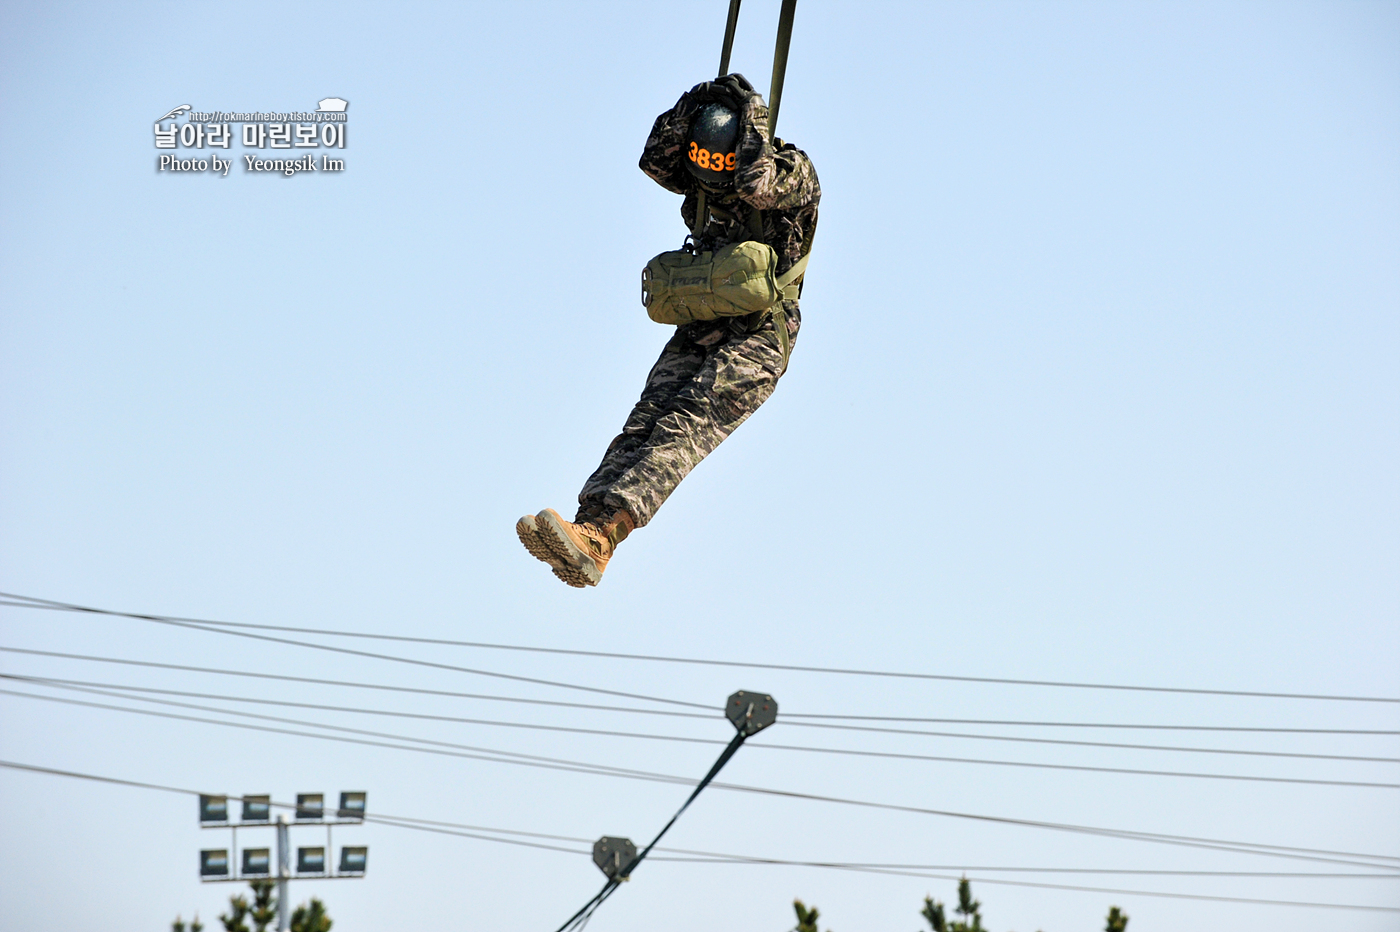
[577, 552]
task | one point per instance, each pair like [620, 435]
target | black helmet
[714, 143]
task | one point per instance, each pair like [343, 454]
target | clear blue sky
[1099, 380]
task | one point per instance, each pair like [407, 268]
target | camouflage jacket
[777, 179]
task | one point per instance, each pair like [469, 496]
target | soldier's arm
[661, 154]
[770, 178]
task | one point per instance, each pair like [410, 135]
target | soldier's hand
[732, 90]
[737, 88]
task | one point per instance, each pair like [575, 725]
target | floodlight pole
[284, 870]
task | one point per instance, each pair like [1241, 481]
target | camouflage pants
[706, 383]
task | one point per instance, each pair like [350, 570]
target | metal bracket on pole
[614, 855]
[750, 713]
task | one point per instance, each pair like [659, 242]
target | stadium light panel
[213, 862]
[311, 860]
[257, 808]
[310, 806]
[352, 805]
[257, 862]
[213, 808]
[353, 860]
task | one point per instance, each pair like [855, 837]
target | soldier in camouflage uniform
[712, 374]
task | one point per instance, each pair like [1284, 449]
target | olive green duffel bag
[680, 287]
[685, 285]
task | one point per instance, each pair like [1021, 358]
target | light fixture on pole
[216, 865]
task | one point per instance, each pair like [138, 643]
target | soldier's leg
[696, 395]
[736, 377]
[677, 366]
[578, 551]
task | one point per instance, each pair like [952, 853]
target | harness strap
[701, 215]
[790, 293]
[784, 338]
[787, 284]
[785, 280]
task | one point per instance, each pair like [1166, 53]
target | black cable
[32, 602]
[782, 747]
[580, 918]
[656, 737]
[202, 626]
[551, 763]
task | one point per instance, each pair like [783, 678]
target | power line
[1101, 744]
[358, 685]
[1121, 725]
[677, 714]
[445, 747]
[712, 855]
[201, 626]
[441, 828]
[1083, 768]
[21, 601]
[552, 763]
[399, 823]
[781, 747]
[1075, 887]
[650, 736]
[1188, 841]
[963, 868]
[100, 689]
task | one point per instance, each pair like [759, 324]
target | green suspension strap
[780, 57]
[787, 282]
[775, 97]
[729, 27]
